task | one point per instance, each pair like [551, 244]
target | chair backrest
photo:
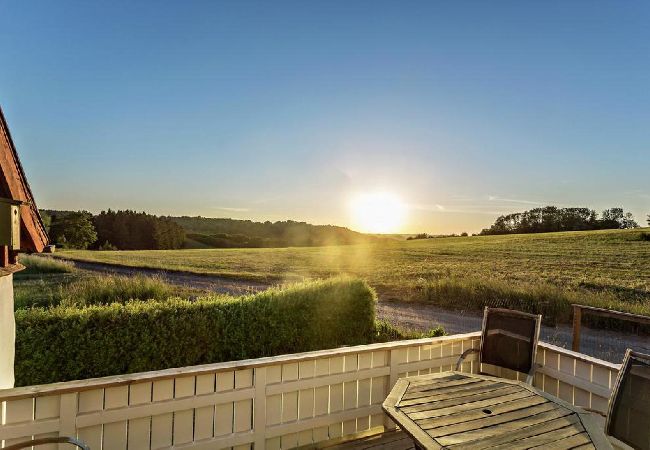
[628, 415]
[509, 339]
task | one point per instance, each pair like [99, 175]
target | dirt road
[603, 344]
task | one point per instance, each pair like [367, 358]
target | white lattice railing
[277, 402]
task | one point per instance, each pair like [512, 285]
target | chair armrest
[531, 373]
[54, 440]
[589, 410]
[463, 355]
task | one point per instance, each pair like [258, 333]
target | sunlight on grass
[592, 264]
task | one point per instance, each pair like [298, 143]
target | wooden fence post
[68, 410]
[259, 408]
[392, 379]
[577, 322]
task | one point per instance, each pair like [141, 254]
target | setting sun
[377, 212]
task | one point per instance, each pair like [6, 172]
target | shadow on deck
[390, 440]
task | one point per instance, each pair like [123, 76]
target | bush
[43, 264]
[644, 236]
[66, 343]
[385, 332]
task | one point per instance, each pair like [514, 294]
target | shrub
[43, 264]
[107, 246]
[66, 343]
[385, 332]
[644, 236]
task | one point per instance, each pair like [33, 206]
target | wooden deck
[390, 440]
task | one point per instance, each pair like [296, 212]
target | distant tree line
[130, 230]
[435, 236]
[123, 230]
[551, 218]
[226, 233]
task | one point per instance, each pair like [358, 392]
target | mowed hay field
[608, 268]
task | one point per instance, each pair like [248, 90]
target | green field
[607, 268]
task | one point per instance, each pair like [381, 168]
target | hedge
[68, 343]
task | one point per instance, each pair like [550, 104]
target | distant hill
[233, 233]
[207, 232]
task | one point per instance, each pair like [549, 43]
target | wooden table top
[461, 410]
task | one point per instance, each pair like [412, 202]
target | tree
[628, 221]
[47, 220]
[617, 218]
[648, 220]
[130, 230]
[73, 230]
[551, 218]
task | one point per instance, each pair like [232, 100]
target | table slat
[493, 394]
[568, 442]
[477, 413]
[539, 439]
[449, 389]
[424, 386]
[490, 402]
[482, 388]
[527, 432]
[506, 427]
[491, 420]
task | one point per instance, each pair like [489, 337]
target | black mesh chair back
[509, 339]
[628, 415]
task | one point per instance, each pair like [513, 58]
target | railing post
[259, 408]
[577, 322]
[392, 379]
[68, 410]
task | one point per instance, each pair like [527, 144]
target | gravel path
[607, 345]
[603, 344]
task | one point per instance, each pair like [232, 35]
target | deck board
[390, 440]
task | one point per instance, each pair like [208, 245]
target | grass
[40, 264]
[50, 282]
[607, 267]
[386, 331]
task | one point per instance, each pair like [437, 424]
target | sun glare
[377, 212]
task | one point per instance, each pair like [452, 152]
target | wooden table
[461, 410]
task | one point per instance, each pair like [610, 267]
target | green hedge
[66, 343]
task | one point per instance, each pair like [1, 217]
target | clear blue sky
[275, 110]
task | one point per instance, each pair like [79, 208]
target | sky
[291, 109]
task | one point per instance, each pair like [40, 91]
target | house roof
[14, 186]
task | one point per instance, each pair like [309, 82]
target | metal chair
[628, 413]
[54, 440]
[509, 340]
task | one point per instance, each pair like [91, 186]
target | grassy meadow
[49, 282]
[609, 268]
